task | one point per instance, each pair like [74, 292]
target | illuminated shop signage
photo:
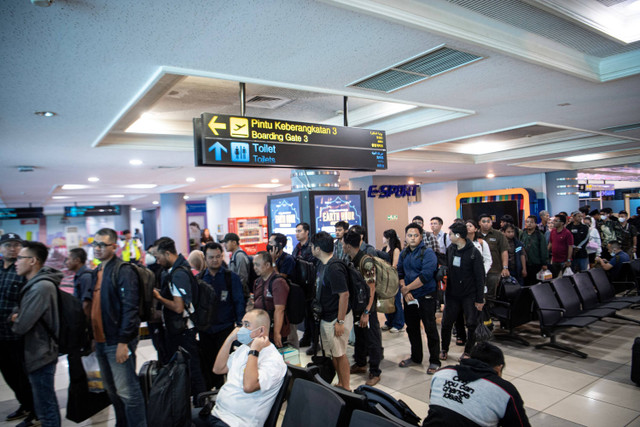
[384, 191]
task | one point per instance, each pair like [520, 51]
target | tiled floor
[558, 389]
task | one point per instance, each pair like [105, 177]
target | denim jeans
[580, 264]
[122, 385]
[44, 395]
[396, 320]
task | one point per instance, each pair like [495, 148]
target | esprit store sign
[384, 191]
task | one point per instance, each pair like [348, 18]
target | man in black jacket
[465, 287]
[115, 322]
[177, 296]
[474, 393]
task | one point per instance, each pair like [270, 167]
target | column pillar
[173, 220]
[562, 191]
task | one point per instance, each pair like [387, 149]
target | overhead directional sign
[222, 140]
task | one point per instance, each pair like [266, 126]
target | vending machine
[253, 233]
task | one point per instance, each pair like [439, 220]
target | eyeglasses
[19, 257]
[101, 245]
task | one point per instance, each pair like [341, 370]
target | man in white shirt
[255, 372]
[443, 238]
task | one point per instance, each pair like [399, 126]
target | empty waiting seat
[312, 405]
[552, 319]
[570, 301]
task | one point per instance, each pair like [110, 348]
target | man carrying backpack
[416, 268]
[115, 321]
[332, 305]
[178, 299]
[367, 327]
[37, 319]
[239, 262]
[271, 293]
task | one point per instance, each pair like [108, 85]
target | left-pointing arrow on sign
[219, 148]
[214, 126]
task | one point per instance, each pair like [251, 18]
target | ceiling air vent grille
[416, 69]
[623, 128]
[268, 102]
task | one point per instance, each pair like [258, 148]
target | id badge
[224, 295]
[269, 294]
[456, 261]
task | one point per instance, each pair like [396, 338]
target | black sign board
[77, 211]
[19, 213]
[222, 140]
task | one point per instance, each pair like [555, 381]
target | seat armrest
[498, 302]
[207, 401]
[561, 310]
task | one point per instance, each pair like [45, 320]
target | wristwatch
[340, 322]
[505, 267]
[255, 353]
[366, 312]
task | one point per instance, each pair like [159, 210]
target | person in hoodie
[465, 288]
[177, 297]
[37, 319]
[473, 393]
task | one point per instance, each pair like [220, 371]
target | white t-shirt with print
[237, 408]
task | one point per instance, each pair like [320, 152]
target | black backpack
[304, 275]
[251, 281]
[358, 288]
[74, 337]
[295, 308]
[146, 282]
[205, 299]
[396, 407]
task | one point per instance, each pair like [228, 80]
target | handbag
[82, 403]
[386, 306]
[92, 370]
[567, 272]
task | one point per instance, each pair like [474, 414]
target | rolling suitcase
[148, 372]
[635, 361]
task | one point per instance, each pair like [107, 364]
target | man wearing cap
[239, 263]
[12, 345]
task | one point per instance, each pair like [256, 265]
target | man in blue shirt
[230, 310]
[416, 267]
[614, 265]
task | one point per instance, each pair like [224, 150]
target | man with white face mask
[628, 234]
[255, 372]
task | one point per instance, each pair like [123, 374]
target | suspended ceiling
[547, 88]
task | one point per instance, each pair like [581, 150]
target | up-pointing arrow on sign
[219, 148]
[214, 126]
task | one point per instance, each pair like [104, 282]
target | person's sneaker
[385, 327]
[373, 380]
[395, 330]
[311, 351]
[355, 369]
[17, 414]
[30, 422]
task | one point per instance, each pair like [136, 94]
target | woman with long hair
[392, 246]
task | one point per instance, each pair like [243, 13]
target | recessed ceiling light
[60, 197]
[74, 187]
[275, 181]
[191, 179]
[93, 179]
[584, 157]
[134, 209]
[265, 185]
[155, 202]
[411, 182]
[116, 196]
[491, 175]
[429, 170]
[141, 186]
[135, 162]
[45, 113]
[185, 197]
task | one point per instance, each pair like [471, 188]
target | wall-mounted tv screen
[495, 209]
[284, 215]
[78, 211]
[329, 208]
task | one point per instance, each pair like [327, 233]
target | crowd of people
[252, 294]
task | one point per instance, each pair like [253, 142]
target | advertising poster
[331, 208]
[284, 215]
